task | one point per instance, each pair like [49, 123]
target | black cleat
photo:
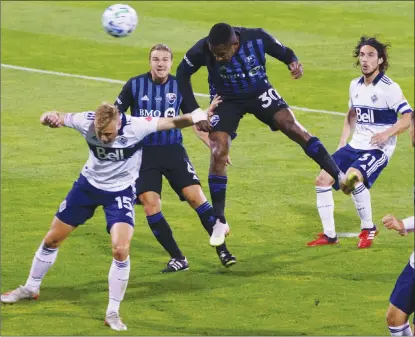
[176, 265]
[226, 258]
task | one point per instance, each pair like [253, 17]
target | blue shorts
[369, 162]
[403, 295]
[82, 200]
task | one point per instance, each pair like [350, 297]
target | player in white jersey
[402, 299]
[107, 180]
[375, 101]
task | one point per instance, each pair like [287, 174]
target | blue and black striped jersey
[244, 76]
[146, 98]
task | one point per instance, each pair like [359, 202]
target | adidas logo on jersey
[145, 98]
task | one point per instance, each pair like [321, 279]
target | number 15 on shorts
[126, 203]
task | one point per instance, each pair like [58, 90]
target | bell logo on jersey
[109, 154]
[365, 115]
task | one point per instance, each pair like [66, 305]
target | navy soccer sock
[217, 187]
[316, 151]
[207, 218]
[164, 235]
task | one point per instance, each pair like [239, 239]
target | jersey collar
[375, 80]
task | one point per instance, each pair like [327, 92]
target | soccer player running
[156, 93]
[107, 179]
[374, 103]
[402, 299]
[235, 60]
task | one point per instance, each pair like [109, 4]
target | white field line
[109, 80]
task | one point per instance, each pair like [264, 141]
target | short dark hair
[381, 48]
[221, 33]
[160, 46]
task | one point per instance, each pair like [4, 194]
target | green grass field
[279, 286]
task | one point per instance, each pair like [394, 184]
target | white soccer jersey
[115, 166]
[410, 226]
[377, 106]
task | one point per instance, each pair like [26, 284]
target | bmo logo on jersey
[147, 113]
[365, 115]
[105, 153]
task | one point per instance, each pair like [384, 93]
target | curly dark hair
[382, 49]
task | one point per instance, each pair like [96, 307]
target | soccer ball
[119, 20]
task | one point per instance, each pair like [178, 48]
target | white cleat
[114, 321]
[21, 293]
[220, 232]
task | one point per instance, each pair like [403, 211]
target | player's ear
[380, 61]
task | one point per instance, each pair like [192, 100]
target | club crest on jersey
[250, 60]
[122, 140]
[214, 120]
[374, 98]
[171, 97]
[158, 99]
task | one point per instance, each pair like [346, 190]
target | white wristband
[199, 115]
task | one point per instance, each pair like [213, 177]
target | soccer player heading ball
[235, 59]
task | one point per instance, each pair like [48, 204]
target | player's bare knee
[51, 241]
[395, 317]
[324, 179]
[219, 155]
[151, 203]
[121, 250]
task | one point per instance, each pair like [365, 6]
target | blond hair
[105, 114]
[161, 46]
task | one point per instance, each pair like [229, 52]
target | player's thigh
[57, 233]
[181, 173]
[79, 204]
[403, 295]
[149, 180]
[344, 158]
[118, 207]
[227, 116]
[370, 164]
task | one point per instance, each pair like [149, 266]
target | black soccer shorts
[228, 114]
[170, 161]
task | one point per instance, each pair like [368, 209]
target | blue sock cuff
[155, 218]
[212, 176]
[203, 208]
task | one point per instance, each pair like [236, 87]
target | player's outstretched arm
[187, 120]
[53, 119]
[401, 226]
[400, 126]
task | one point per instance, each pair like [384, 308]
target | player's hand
[214, 104]
[379, 138]
[392, 222]
[50, 119]
[296, 69]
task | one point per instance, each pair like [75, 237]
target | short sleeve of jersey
[396, 100]
[125, 98]
[352, 84]
[80, 121]
[143, 126]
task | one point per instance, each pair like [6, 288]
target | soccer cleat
[347, 185]
[323, 239]
[366, 237]
[20, 293]
[220, 232]
[113, 320]
[226, 258]
[176, 265]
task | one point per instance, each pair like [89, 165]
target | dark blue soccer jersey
[147, 98]
[244, 76]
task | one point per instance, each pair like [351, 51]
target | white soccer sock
[44, 259]
[118, 277]
[361, 198]
[402, 330]
[325, 207]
